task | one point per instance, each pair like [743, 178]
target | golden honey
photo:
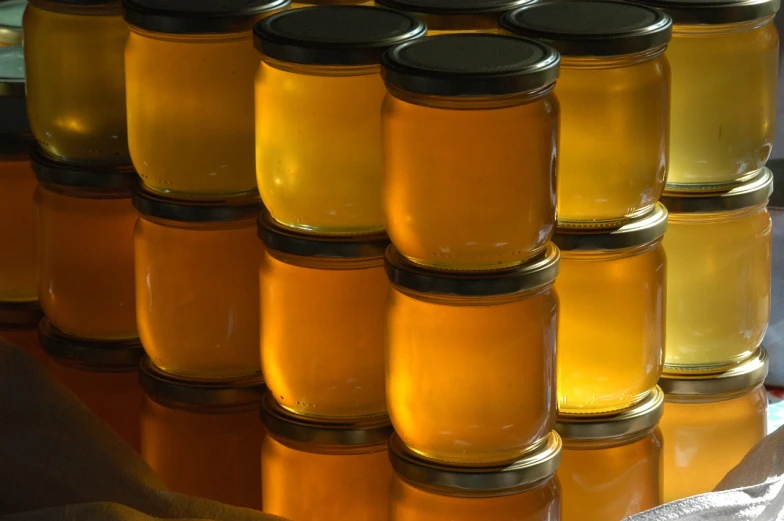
[710, 424]
[718, 312]
[326, 281]
[456, 344]
[197, 286]
[76, 79]
[470, 200]
[189, 77]
[313, 471]
[19, 261]
[319, 80]
[612, 465]
[611, 289]
[450, 16]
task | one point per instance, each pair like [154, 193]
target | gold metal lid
[332, 432]
[634, 233]
[88, 353]
[745, 375]
[471, 481]
[638, 418]
[752, 193]
[20, 315]
[714, 12]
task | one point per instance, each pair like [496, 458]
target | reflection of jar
[449, 16]
[85, 248]
[611, 329]
[324, 471]
[710, 423]
[339, 286]
[19, 325]
[614, 94]
[718, 276]
[190, 68]
[197, 296]
[478, 199]
[319, 81]
[203, 440]
[76, 79]
[611, 466]
[11, 12]
[102, 374]
[724, 59]
[524, 490]
[457, 342]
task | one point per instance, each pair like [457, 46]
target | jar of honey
[197, 296]
[427, 491]
[324, 470]
[611, 466]
[76, 79]
[459, 341]
[724, 57]
[718, 276]
[85, 248]
[614, 94]
[203, 439]
[611, 290]
[340, 285]
[319, 81]
[710, 423]
[11, 12]
[464, 200]
[102, 374]
[189, 75]
[450, 16]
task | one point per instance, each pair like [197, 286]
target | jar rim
[20, 315]
[636, 232]
[747, 195]
[582, 27]
[115, 181]
[233, 209]
[714, 12]
[89, 353]
[745, 375]
[446, 15]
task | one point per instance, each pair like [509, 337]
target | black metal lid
[105, 355]
[634, 233]
[334, 35]
[236, 209]
[710, 12]
[591, 27]
[470, 65]
[11, 12]
[446, 15]
[20, 315]
[751, 193]
[198, 16]
[115, 181]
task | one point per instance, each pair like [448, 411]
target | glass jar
[339, 285]
[76, 79]
[319, 81]
[85, 248]
[197, 268]
[457, 342]
[611, 289]
[451, 16]
[203, 440]
[11, 12]
[470, 200]
[611, 465]
[189, 76]
[324, 470]
[718, 276]
[724, 59]
[525, 490]
[614, 94]
[102, 374]
[710, 423]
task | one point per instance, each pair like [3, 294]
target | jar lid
[445, 15]
[537, 272]
[334, 35]
[465, 65]
[106, 355]
[742, 376]
[11, 12]
[279, 238]
[333, 432]
[235, 209]
[638, 418]
[591, 27]
[171, 390]
[634, 233]
[714, 12]
[115, 5]
[108, 180]
[752, 193]
[198, 16]
[20, 315]
[539, 464]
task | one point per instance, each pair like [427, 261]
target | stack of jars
[614, 96]
[724, 59]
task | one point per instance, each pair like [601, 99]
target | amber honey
[19, 261]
